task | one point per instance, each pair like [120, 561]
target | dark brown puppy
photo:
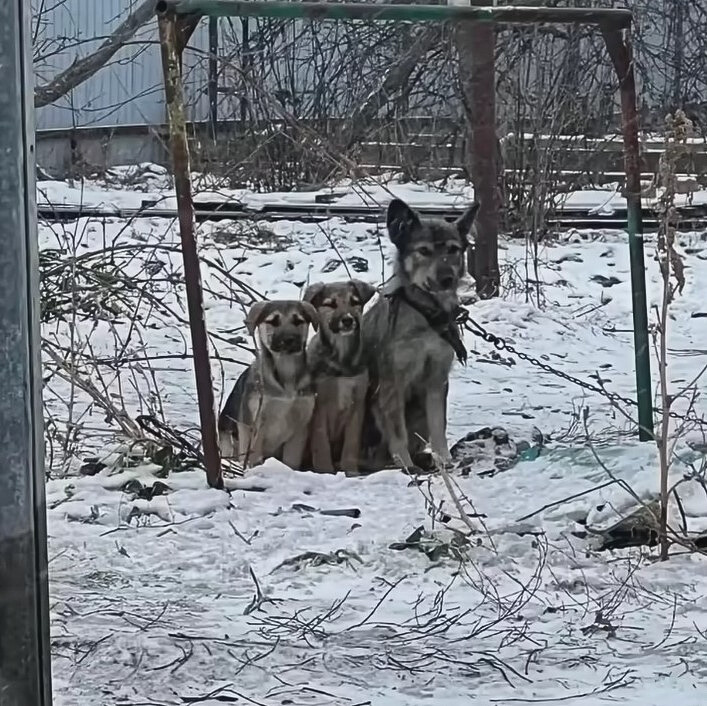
[339, 369]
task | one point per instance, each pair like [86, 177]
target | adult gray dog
[411, 337]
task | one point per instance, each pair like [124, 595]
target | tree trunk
[475, 44]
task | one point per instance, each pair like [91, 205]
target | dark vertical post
[247, 59]
[213, 75]
[171, 60]
[679, 8]
[476, 43]
[25, 669]
[621, 53]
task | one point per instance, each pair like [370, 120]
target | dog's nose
[446, 281]
[347, 322]
[292, 341]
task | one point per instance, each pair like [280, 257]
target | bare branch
[82, 69]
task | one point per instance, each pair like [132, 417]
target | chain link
[466, 322]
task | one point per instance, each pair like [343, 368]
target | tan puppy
[340, 372]
[270, 407]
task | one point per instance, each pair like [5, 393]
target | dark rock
[164, 457]
[343, 512]
[537, 437]
[91, 467]
[572, 257]
[301, 507]
[433, 545]
[145, 492]
[133, 487]
[500, 436]
[358, 264]
[149, 492]
[605, 281]
[484, 433]
[638, 529]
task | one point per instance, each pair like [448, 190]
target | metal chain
[465, 321]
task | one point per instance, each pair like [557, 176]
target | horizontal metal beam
[608, 17]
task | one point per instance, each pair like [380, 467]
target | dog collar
[444, 323]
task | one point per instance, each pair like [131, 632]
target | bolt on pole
[25, 670]
[176, 117]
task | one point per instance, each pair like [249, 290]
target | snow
[194, 594]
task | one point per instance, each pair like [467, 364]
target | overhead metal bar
[615, 18]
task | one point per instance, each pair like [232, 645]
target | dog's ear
[400, 219]
[310, 314]
[255, 315]
[313, 294]
[364, 290]
[466, 220]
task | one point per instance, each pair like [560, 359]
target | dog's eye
[273, 320]
[454, 249]
[425, 252]
[298, 320]
[355, 301]
[329, 303]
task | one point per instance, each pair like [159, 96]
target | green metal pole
[622, 56]
[641, 339]
[609, 17]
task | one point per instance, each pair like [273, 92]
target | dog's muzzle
[344, 324]
[447, 279]
[287, 343]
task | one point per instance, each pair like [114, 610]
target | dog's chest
[426, 355]
[286, 414]
[341, 394]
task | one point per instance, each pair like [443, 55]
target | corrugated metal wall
[128, 91]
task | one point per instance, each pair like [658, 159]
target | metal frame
[177, 20]
[610, 17]
[25, 668]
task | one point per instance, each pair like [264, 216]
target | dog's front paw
[348, 465]
[418, 470]
[428, 462]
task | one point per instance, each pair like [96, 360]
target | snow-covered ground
[262, 596]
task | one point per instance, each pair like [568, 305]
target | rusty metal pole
[171, 62]
[476, 45]
[619, 47]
